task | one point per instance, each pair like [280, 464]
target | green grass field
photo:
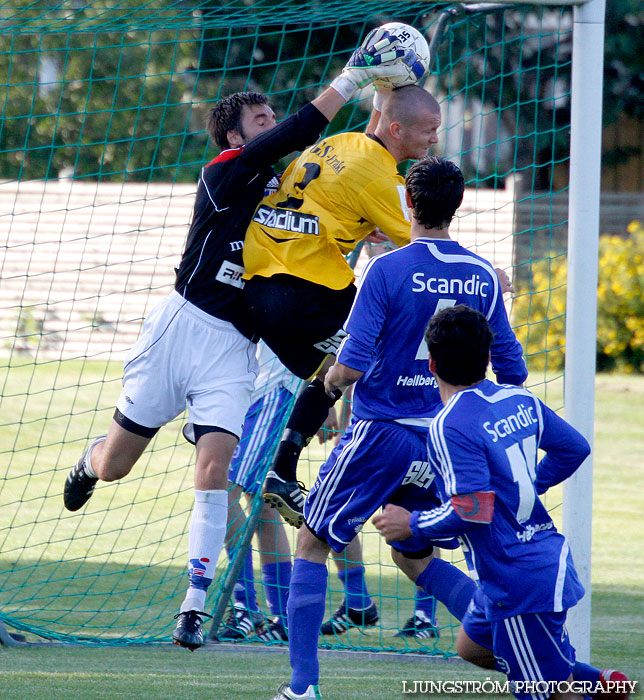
[116, 568]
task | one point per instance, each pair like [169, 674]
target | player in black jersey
[197, 347]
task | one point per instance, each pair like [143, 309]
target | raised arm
[378, 101]
[367, 64]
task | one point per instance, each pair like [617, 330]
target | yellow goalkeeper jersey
[328, 200]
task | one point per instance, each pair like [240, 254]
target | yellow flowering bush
[539, 309]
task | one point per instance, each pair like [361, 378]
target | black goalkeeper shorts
[301, 322]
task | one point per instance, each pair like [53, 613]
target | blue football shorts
[375, 462]
[533, 647]
[260, 434]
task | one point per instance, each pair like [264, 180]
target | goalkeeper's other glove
[378, 57]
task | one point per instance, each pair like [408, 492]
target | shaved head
[409, 122]
[407, 104]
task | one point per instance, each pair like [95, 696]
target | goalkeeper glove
[376, 58]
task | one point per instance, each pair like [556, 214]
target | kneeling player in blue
[271, 402]
[382, 457]
[483, 454]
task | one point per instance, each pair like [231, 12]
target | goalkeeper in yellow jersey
[299, 287]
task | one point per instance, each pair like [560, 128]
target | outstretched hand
[393, 523]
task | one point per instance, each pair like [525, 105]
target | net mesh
[101, 142]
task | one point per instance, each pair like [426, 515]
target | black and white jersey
[230, 188]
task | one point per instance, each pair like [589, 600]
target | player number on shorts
[423, 351]
[523, 459]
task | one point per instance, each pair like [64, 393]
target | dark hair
[459, 340]
[436, 187]
[226, 115]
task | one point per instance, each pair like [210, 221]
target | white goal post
[581, 302]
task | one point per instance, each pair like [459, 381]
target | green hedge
[539, 310]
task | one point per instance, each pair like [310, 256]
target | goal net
[101, 142]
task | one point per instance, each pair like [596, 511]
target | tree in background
[125, 96]
[109, 94]
[101, 102]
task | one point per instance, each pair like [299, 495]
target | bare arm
[329, 102]
[379, 97]
[373, 121]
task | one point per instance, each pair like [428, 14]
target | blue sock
[277, 578]
[448, 584]
[244, 591]
[306, 603]
[355, 587]
[585, 672]
[425, 604]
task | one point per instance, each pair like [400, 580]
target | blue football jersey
[486, 439]
[399, 292]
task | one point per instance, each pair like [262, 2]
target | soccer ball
[412, 40]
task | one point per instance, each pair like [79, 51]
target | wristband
[344, 85]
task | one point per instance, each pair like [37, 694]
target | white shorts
[185, 355]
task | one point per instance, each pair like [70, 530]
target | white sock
[205, 540]
[88, 468]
